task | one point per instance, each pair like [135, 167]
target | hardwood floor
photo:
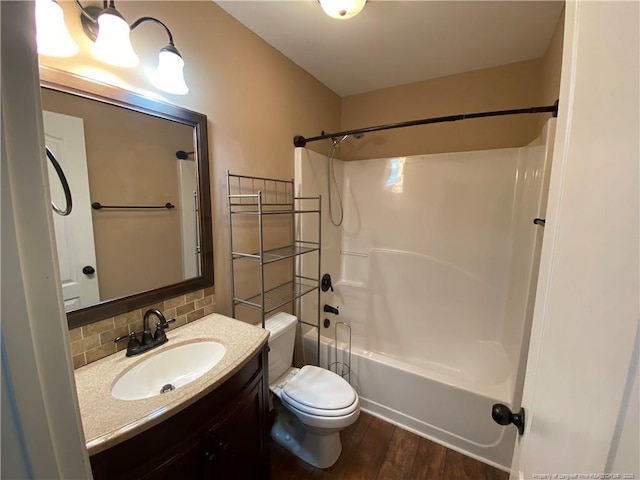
[375, 449]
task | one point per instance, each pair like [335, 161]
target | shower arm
[300, 141]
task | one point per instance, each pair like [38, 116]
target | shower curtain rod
[300, 141]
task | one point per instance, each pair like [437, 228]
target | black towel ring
[65, 186]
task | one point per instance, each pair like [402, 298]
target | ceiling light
[169, 75]
[53, 37]
[342, 9]
[113, 45]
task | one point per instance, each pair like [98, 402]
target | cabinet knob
[215, 446]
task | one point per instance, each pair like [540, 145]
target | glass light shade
[53, 37]
[113, 45]
[169, 76]
[342, 9]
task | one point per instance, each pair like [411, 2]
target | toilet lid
[320, 389]
[299, 408]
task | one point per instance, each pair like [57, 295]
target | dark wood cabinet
[221, 436]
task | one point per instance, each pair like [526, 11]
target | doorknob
[503, 415]
[88, 270]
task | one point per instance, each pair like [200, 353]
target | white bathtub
[428, 400]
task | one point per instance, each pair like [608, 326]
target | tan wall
[255, 98]
[130, 161]
[552, 65]
[515, 85]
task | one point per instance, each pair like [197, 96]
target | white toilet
[316, 403]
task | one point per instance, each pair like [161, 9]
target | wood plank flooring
[375, 449]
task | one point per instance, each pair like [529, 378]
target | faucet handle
[159, 334]
[166, 323]
[131, 336]
[132, 345]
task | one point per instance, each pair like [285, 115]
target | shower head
[182, 155]
[336, 143]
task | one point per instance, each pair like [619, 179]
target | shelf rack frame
[263, 197]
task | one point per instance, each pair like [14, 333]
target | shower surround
[434, 269]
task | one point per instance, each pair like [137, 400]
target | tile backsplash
[95, 341]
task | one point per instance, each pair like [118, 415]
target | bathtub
[433, 400]
[425, 352]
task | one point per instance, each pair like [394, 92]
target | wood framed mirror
[139, 175]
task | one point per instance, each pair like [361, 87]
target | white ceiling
[395, 42]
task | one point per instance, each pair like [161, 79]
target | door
[580, 394]
[188, 186]
[64, 135]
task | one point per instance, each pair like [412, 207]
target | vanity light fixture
[53, 37]
[112, 44]
[342, 9]
[169, 74]
[110, 33]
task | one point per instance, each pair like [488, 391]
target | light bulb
[342, 9]
[53, 37]
[169, 75]
[113, 45]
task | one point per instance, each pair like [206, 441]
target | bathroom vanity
[213, 427]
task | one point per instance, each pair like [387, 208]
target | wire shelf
[271, 212]
[279, 296]
[277, 254]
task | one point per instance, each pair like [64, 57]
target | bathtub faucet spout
[330, 309]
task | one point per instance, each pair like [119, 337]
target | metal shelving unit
[267, 197]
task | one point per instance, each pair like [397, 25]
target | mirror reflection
[143, 171]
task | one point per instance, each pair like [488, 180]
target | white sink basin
[168, 369]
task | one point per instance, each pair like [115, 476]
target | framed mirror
[141, 228]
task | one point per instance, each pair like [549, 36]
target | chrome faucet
[148, 341]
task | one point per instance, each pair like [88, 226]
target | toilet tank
[282, 336]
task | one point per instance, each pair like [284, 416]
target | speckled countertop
[108, 421]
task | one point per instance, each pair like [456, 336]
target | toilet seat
[319, 392]
[318, 412]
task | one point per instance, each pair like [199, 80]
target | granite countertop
[108, 421]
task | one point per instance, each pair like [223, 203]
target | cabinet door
[239, 441]
[190, 462]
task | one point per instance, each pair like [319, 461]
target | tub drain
[167, 388]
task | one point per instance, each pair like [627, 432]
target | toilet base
[320, 450]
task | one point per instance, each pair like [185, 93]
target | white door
[581, 394]
[188, 185]
[64, 135]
